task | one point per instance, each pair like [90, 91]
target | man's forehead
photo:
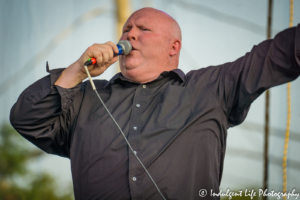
[137, 18]
[149, 15]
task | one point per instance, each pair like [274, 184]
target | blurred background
[214, 32]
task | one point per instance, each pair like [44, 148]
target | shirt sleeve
[235, 85]
[44, 112]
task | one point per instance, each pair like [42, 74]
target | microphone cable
[93, 61]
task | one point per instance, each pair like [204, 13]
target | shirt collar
[119, 75]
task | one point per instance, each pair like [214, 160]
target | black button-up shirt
[177, 124]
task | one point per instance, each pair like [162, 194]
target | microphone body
[124, 47]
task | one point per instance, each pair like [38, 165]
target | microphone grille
[126, 46]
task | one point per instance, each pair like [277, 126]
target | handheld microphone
[124, 47]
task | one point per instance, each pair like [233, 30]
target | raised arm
[271, 63]
[44, 113]
[235, 85]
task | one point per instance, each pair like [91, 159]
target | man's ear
[175, 47]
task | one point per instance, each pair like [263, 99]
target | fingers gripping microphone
[124, 47]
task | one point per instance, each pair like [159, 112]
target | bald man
[156, 41]
[176, 123]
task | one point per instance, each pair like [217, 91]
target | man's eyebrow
[127, 26]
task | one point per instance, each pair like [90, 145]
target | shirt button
[134, 152]
[137, 105]
[134, 178]
[144, 86]
[135, 128]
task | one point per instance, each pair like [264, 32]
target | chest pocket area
[173, 107]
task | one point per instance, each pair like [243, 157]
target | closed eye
[144, 28]
[126, 29]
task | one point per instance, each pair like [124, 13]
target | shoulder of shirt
[201, 71]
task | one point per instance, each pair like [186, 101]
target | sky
[33, 32]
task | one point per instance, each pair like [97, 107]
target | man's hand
[75, 73]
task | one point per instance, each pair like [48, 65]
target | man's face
[148, 33]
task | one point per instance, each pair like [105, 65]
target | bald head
[169, 22]
[156, 40]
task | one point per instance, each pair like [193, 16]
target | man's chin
[131, 71]
[130, 66]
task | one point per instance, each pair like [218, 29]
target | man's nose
[132, 34]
